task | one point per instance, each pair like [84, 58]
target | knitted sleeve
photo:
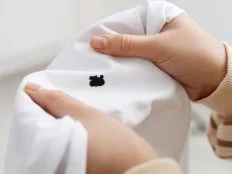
[220, 101]
[157, 166]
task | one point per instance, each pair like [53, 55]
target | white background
[33, 31]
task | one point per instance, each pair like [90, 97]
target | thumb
[55, 102]
[124, 45]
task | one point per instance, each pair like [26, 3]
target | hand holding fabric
[182, 49]
[112, 147]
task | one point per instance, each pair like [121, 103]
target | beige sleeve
[220, 101]
[157, 166]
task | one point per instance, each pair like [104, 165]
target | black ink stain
[96, 81]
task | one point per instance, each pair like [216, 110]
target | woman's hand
[183, 50]
[112, 147]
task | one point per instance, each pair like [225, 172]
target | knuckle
[125, 43]
[52, 97]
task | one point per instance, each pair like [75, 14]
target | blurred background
[32, 32]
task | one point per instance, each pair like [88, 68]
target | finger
[125, 45]
[55, 102]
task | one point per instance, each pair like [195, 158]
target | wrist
[220, 99]
[217, 71]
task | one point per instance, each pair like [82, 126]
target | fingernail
[99, 42]
[32, 87]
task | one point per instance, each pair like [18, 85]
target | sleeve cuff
[157, 166]
[221, 99]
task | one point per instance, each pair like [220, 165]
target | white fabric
[135, 92]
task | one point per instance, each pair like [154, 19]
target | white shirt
[135, 91]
